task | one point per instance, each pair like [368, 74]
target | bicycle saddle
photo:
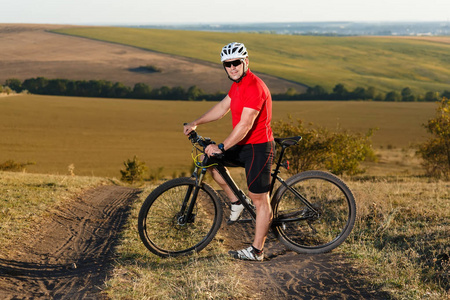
[289, 141]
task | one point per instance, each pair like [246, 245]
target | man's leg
[263, 218]
[218, 178]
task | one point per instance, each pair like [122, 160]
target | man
[250, 143]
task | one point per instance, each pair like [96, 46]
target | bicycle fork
[186, 214]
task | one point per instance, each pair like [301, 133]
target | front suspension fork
[187, 216]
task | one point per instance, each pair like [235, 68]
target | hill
[386, 63]
[29, 51]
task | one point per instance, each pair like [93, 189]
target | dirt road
[69, 254]
[288, 275]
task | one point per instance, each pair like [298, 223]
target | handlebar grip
[192, 135]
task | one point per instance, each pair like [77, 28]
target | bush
[151, 69]
[134, 170]
[13, 166]
[436, 151]
[339, 152]
[14, 84]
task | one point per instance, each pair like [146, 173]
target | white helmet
[233, 51]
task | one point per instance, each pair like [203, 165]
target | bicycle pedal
[229, 222]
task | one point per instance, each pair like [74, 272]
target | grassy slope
[401, 236]
[97, 135]
[383, 62]
[24, 198]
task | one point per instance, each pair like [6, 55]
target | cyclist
[250, 144]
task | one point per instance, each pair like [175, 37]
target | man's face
[235, 67]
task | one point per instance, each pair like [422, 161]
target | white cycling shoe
[236, 211]
[247, 254]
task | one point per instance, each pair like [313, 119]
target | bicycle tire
[158, 224]
[330, 196]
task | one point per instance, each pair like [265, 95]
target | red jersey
[253, 93]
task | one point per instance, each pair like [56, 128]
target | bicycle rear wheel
[324, 226]
[161, 226]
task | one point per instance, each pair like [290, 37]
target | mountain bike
[313, 211]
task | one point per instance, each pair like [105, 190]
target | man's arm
[239, 132]
[215, 113]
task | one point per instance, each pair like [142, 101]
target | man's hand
[188, 128]
[212, 149]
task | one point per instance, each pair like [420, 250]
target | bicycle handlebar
[197, 139]
[203, 142]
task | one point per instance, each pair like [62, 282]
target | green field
[97, 135]
[386, 63]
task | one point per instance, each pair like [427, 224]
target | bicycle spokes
[313, 213]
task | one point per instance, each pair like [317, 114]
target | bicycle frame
[183, 215]
[241, 195]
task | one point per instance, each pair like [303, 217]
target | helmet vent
[233, 51]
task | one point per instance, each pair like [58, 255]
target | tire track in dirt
[68, 255]
[285, 274]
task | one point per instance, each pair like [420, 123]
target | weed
[13, 166]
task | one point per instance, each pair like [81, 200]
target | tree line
[108, 89]
[340, 92]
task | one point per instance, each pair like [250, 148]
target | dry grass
[400, 240]
[139, 274]
[96, 136]
[400, 243]
[24, 198]
[402, 235]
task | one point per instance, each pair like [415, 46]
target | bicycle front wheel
[162, 225]
[322, 220]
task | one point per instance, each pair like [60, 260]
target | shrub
[436, 151]
[134, 170]
[310, 152]
[13, 166]
[339, 152]
[156, 174]
[151, 69]
[347, 150]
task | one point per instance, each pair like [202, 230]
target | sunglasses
[235, 63]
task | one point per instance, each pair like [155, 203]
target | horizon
[131, 24]
[138, 12]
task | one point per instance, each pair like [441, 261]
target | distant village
[324, 28]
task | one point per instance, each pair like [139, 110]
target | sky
[153, 12]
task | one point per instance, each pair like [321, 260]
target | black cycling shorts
[257, 160]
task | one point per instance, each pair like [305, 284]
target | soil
[69, 254]
[285, 274]
[29, 51]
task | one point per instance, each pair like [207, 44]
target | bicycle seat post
[277, 168]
